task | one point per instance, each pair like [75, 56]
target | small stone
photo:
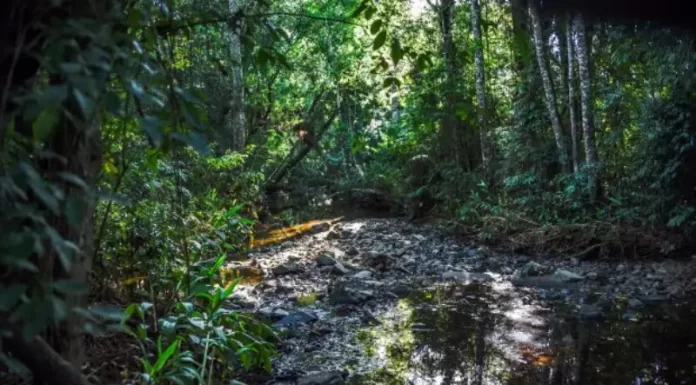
[286, 268]
[280, 313]
[365, 274]
[621, 267]
[532, 269]
[352, 251]
[324, 378]
[635, 302]
[326, 259]
[592, 275]
[507, 270]
[467, 277]
[574, 262]
[370, 318]
[339, 269]
[590, 311]
[402, 290]
[319, 228]
[346, 234]
[300, 317]
[333, 234]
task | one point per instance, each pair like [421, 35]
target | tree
[586, 104]
[572, 119]
[486, 143]
[236, 121]
[550, 97]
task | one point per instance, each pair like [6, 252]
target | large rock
[342, 295]
[567, 276]
[324, 378]
[319, 228]
[532, 269]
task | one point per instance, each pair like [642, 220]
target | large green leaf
[379, 41]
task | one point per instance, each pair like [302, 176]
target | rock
[339, 269]
[370, 318]
[653, 298]
[352, 251]
[544, 281]
[280, 313]
[532, 269]
[297, 318]
[621, 267]
[506, 270]
[676, 291]
[319, 228]
[324, 378]
[574, 262]
[592, 276]
[589, 311]
[333, 234]
[286, 268]
[341, 295]
[635, 302]
[567, 276]
[345, 234]
[402, 290]
[365, 274]
[325, 259]
[467, 277]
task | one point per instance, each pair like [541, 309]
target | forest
[149, 149]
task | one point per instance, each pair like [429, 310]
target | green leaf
[397, 53]
[153, 128]
[69, 287]
[70, 68]
[85, 103]
[195, 140]
[363, 5]
[376, 26]
[15, 366]
[45, 123]
[9, 296]
[72, 178]
[379, 41]
[230, 288]
[370, 12]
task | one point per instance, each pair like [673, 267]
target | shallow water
[482, 335]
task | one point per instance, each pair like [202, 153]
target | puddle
[478, 335]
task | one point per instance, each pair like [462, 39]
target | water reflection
[477, 335]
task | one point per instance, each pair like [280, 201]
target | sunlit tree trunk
[236, 120]
[586, 104]
[486, 145]
[572, 118]
[539, 44]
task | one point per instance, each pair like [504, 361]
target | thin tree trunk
[486, 145]
[562, 30]
[586, 104]
[571, 97]
[236, 121]
[548, 85]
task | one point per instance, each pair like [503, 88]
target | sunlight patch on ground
[285, 233]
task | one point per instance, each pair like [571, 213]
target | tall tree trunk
[449, 137]
[586, 104]
[486, 144]
[236, 121]
[562, 30]
[520, 32]
[550, 96]
[572, 110]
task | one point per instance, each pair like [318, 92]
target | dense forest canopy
[143, 142]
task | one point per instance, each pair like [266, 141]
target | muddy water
[482, 335]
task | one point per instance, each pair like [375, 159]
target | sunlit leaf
[379, 41]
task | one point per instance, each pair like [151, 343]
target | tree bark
[591, 156]
[236, 120]
[572, 110]
[479, 65]
[449, 137]
[550, 97]
[47, 366]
